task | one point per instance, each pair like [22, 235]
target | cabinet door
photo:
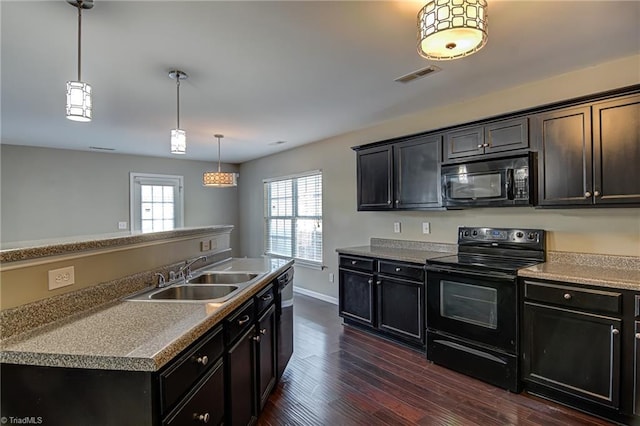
[241, 389]
[636, 365]
[417, 173]
[616, 151]
[356, 296]
[206, 405]
[266, 354]
[401, 309]
[464, 142]
[563, 140]
[574, 352]
[507, 135]
[375, 177]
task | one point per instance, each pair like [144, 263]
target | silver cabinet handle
[615, 331]
[596, 193]
[587, 194]
[256, 338]
[567, 296]
[370, 281]
[263, 331]
[397, 201]
[203, 360]
[378, 282]
[353, 262]
[204, 418]
[388, 201]
[267, 297]
[481, 145]
[486, 145]
[398, 269]
[638, 336]
[243, 320]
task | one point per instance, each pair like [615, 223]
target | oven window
[469, 303]
[475, 186]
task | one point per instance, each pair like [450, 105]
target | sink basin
[222, 278]
[194, 292]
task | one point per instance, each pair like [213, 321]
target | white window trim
[298, 262]
[134, 177]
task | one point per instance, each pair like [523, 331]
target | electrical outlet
[61, 277]
[330, 277]
[396, 227]
[426, 228]
[205, 245]
[122, 225]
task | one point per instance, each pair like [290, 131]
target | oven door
[477, 306]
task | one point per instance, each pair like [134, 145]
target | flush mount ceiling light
[219, 179]
[178, 136]
[79, 92]
[450, 29]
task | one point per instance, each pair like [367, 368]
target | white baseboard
[315, 295]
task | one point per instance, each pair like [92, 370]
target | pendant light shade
[450, 29]
[178, 136]
[79, 106]
[219, 179]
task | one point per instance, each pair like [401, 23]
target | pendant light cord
[178, 98]
[79, 38]
[218, 155]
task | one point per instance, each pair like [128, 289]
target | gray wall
[611, 231]
[50, 193]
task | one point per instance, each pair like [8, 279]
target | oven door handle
[486, 274]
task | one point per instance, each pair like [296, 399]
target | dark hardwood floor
[342, 376]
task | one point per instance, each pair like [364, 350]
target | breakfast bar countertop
[134, 335]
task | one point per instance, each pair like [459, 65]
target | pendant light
[178, 136]
[450, 29]
[219, 179]
[78, 92]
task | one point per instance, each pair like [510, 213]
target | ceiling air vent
[418, 74]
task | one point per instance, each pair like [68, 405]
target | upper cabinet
[499, 136]
[402, 175]
[589, 154]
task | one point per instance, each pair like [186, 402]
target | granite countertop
[404, 251]
[133, 335]
[621, 272]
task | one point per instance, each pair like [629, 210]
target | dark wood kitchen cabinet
[266, 354]
[385, 297]
[404, 174]
[494, 137]
[636, 369]
[241, 383]
[356, 289]
[588, 154]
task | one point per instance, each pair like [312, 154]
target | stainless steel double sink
[210, 286]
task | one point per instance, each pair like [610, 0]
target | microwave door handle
[510, 184]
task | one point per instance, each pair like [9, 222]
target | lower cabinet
[636, 368]
[242, 380]
[266, 348]
[385, 297]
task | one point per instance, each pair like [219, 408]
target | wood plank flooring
[342, 376]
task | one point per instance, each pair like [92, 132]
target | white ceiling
[261, 72]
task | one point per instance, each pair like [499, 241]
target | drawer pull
[353, 262]
[243, 320]
[398, 269]
[256, 338]
[587, 194]
[596, 193]
[263, 331]
[615, 331]
[481, 145]
[378, 282]
[567, 296]
[370, 281]
[637, 336]
[204, 418]
[203, 360]
[267, 297]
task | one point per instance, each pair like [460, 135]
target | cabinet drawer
[264, 299]
[238, 322]
[205, 405]
[574, 297]
[402, 270]
[359, 263]
[183, 373]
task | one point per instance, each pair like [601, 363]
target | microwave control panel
[521, 183]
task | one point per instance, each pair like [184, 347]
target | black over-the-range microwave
[490, 183]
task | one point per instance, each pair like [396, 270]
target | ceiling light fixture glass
[450, 29]
[78, 92]
[178, 136]
[219, 179]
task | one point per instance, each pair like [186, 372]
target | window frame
[267, 216]
[135, 199]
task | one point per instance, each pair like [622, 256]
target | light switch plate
[396, 227]
[426, 228]
[122, 225]
[205, 245]
[61, 277]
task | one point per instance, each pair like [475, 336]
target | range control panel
[468, 235]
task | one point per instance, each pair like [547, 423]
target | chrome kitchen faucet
[185, 271]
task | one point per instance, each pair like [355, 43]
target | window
[156, 202]
[293, 218]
